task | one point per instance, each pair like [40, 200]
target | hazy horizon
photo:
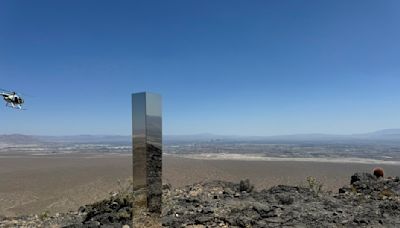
[213, 134]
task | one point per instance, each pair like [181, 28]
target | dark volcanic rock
[362, 177]
[368, 184]
[368, 202]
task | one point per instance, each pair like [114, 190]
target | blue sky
[223, 67]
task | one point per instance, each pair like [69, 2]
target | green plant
[44, 215]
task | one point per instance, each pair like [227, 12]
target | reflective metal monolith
[147, 153]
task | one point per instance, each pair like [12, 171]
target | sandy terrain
[34, 184]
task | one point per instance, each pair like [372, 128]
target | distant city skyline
[257, 68]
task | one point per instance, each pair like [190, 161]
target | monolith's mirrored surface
[147, 151]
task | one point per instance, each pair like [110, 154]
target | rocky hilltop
[368, 201]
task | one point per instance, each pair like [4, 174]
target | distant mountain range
[387, 135]
[18, 139]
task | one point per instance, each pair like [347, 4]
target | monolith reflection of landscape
[147, 153]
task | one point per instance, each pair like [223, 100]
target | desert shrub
[44, 215]
[124, 214]
[246, 186]
[314, 185]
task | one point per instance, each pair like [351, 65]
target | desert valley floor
[35, 184]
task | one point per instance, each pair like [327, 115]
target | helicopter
[12, 99]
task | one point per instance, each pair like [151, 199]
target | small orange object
[378, 172]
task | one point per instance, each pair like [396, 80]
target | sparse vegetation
[246, 186]
[44, 215]
[314, 185]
